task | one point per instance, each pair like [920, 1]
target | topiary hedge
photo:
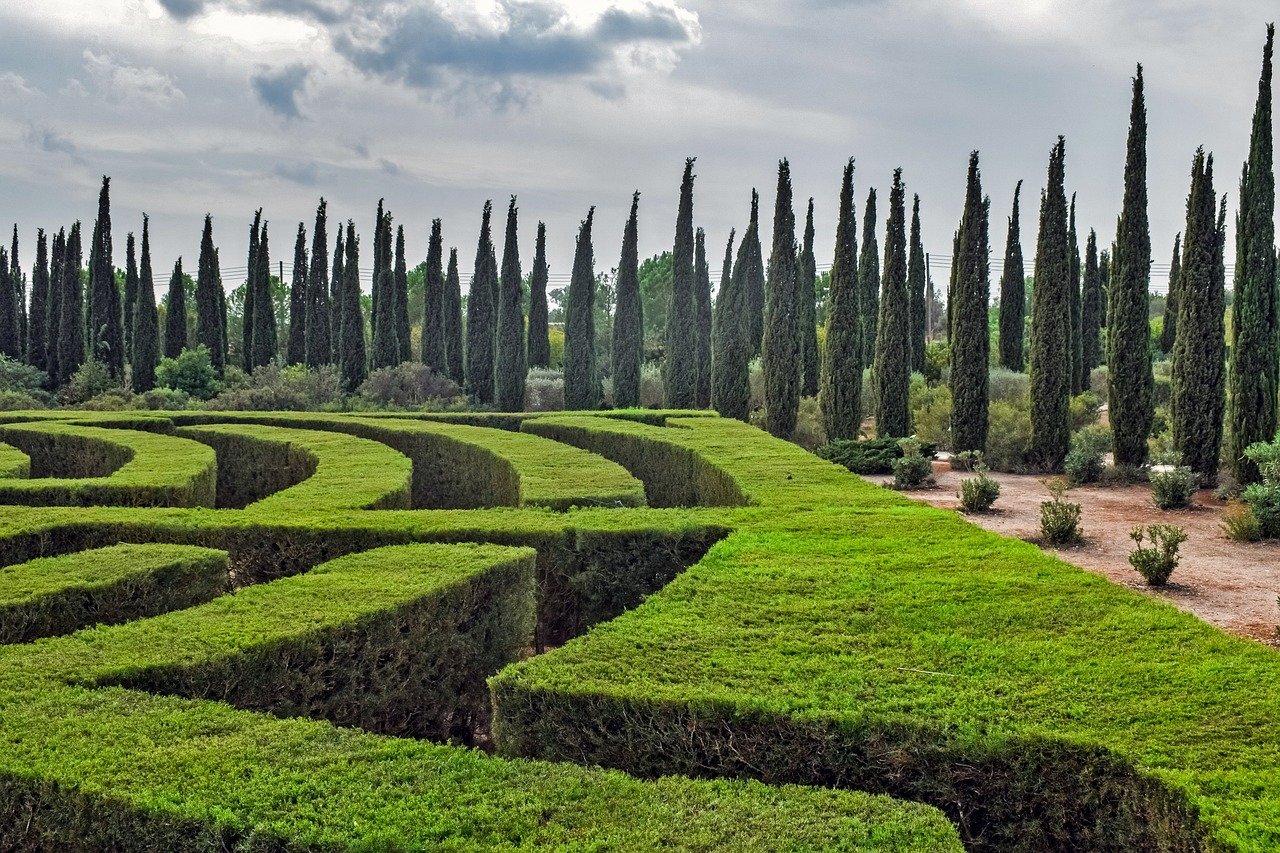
[14, 464]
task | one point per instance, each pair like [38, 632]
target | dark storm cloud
[278, 88]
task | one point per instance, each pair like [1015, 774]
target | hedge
[57, 595]
[14, 463]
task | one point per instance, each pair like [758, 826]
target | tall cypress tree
[175, 318]
[208, 283]
[702, 322]
[130, 292]
[250, 293]
[53, 308]
[951, 285]
[841, 394]
[37, 322]
[1091, 300]
[433, 339]
[892, 365]
[510, 370]
[753, 276]
[70, 339]
[970, 350]
[539, 346]
[453, 319]
[1129, 356]
[1050, 324]
[807, 310]
[1169, 327]
[1255, 362]
[106, 332]
[628, 317]
[265, 338]
[401, 280]
[1079, 379]
[916, 289]
[480, 316]
[869, 280]
[296, 347]
[1104, 279]
[581, 376]
[319, 345]
[731, 347]
[1198, 374]
[1013, 295]
[337, 294]
[386, 346]
[10, 325]
[351, 349]
[145, 354]
[780, 350]
[680, 362]
[20, 292]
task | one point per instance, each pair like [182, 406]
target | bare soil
[1233, 585]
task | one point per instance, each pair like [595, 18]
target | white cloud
[14, 87]
[121, 83]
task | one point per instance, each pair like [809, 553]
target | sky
[224, 106]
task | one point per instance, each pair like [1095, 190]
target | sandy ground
[1231, 584]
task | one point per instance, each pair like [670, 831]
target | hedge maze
[609, 631]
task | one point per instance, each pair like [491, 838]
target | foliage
[582, 387]
[912, 469]
[1050, 354]
[869, 281]
[1009, 437]
[91, 379]
[937, 361]
[1263, 497]
[841, 379]
[544, 390]
[977, 494]
[680, 362]
[731, 349]
[931, 412]
[1059, 518]
[293, 388]
[628, 319]
[1240, 524]
[1157, 562]
[1013, 294]
[809, 432]
[1085, 461]
[18, 401]
[1172, 486]
[891, 363]
[407, 385]
[1008, 386]
[868, 456]
[1085, 409]
[18, 376]
[481, 315]
[780, 354]
[192, 372]
[916, 286]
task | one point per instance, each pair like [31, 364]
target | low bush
[1172, 486]
[652, 390]
[407, 386]
[1099, 382]
[1157, 562]
[1059, 518]
[1264, 498]
[88, 382]
[1008, 436]
[544, 390]
[931, 412]
[287, 389]
[20, 377]
[1085, 409]
[869, 455]
[191, 372]
[810, 433]
[1085, 461]
[20, 401]
[978, 494]
[1240, 524]
[1009, 386]
[913, 469]
[937, 362]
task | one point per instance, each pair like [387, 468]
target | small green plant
[1085, 461]
[1264, 498]
[191, 372]
[1157, 562]
[1172, 483]
[1085, 408]
[1240, 524]
[1059, 518]
[913, 469]
[977, 494]
[868, 456]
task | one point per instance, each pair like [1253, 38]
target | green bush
[1264, 498]
[869, 455]
[1240, 524]
[937, 361]
[272, 388]
[913, 469]
[1172, 486]
[544, 390]
[1157, 562]
[931, 412]
[809, 432]
[1009, 386]
[20, 377]
[192, 372]
[1008, 436]
[20, 401]
[978, 494]
[1085, 460]
[1085, 408]
[1059, 518]
[88, 382]
[407, 386]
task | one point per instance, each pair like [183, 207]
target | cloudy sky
[226, 105]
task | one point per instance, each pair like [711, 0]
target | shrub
[1099, 382]
[115, 400]
[931, 411]
[1172, 486]
[18, 401]
[1084, 462]
[1085, 408]
[272, 388]
[1240, 524]
[406, 386]
[1008, 436]
[544, 390]
[1264, 498]
[20, 377]
[1059, 519]
[977, 494]
[1009, 386]
[192, 371]
[1162, 390]
[937, 361]
[167, 399]
[93, 378]
[913, 469]
[1156, 563]
[868, 456]
[652, 392]
[809, 432]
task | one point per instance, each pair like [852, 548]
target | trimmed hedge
[57, 595]
[77, 465]
[14, 464]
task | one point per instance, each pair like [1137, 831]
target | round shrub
[1008, 436]
[1172, 486]
[1157, 562]
[1085, 408]
[1085, 461]
[1059, 519]
[913, 469]
[192, 372]
[931, 412]
[978, 494]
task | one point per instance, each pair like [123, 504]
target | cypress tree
[731, 350]
[869, 280]
[510, 370]
[351, 349]
[318, 350]
[1169, 327]
[1104, 280]
[386, 346]
[539, 337]
[337, 294]
[265, 339]
[1091, 301]
[951, 286]
[53, 308]
[780, 349]
[628, 317]
[453, 319]
[1050, 324]
[251, 293]
[1013, 294]
[37, 322]
[209, 327]
[480, 316]
[702, 322]
[1252, 377]
[130, 292]
[433, 338]
[145, 354]
[10, 326]
[296, 347]
[377, 332]
[680, 361]
[753, 274]
[70, 340]
[807, 310]
[581, 378]
[106, 333]
[891, 370]
[971, 348]
[841, 394]
[1079, 379]
[916, 289]
[175, 322]
[401, 280]
[1198, 375]
[20, 293]
[1129, 357]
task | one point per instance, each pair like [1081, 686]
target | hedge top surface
[95, 569]
[13, 462]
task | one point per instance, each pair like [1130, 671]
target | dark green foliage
[971, 346]
[581, 377]
[19, 283]
[1131, 382]
[209, 313]
[319, 323]
[510, 369]
[38, 318]
[1197, 401]
[10, 325]
[891, 367]
[70, 336]
[1079, 379]
[539, 346]
[480, 316]
[628, 317]
[1050, 325]
[401, 281]
[916, 286]
[1013, 294]
[753, 276]
[869, 456]
[731, 346]
[351, 349]
[807, 310]
[296, 347]
[869, 280]
[175, 324]
[145, 336]
[780, 349]
[453, 319]
[265, 339]
[338, 282]
[1252, 377]
[680, 361]
[251, 293]
[841, 395]
[434, 345]
[1169, 327]
[386, 346]
[1104, 279]
[1092, 299]
[130, 292]
[106, 331]
[702, 322]
[53, 309]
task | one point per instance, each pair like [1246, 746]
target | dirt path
[1231, 584]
